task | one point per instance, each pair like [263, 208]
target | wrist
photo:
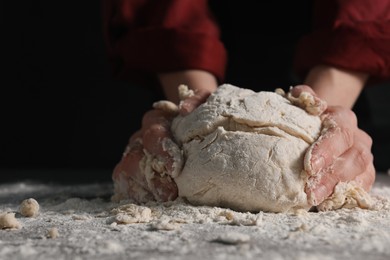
[338, 87]
[197, 80]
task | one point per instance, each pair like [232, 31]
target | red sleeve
[349, 34]
[162, 35]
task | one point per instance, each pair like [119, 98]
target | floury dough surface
[245, 150]
[79, 221]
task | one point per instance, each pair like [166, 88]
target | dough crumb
[185, 92]
[347, 195]
[233, 238]
[29, 208]
[166, 106]
[131, 213]
[8, 221]
[165, 223]
[81, 217]
[308, 102]
[52, 233]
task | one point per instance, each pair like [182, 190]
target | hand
[146, 169]
[342, 153]
[152, 159]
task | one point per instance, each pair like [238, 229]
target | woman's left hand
[342, 153]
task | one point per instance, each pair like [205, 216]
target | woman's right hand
[152, 159]
[149, 162]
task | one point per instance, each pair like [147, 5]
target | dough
[52, 233]
[8, 221]
[245, 150]
[29, 208]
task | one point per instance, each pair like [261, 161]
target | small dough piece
[233, 238]
[307, 101]
[8, 221]
[29, 208]
[166, 106]
[185, 92]
[347, 195]
[52, 233]
[131, 213]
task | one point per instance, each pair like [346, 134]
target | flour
[178, 230]
[170, 215]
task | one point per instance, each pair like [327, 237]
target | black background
[61, 109]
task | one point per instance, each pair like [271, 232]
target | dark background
[64, 118]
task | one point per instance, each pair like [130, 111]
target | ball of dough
[245, 150]
[29, 208]
[52, 233]
[8, 221]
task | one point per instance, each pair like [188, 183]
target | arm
[201, 82]
[348, 48]
[350, 35]
[151, 37]
[176, 42]
[338, 87]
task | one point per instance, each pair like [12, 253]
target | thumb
[191, 99]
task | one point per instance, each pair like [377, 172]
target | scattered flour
[178, 230]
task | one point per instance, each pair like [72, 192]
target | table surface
[88, 229]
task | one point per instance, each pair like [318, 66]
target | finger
[153, 137]
[337, 137]
[128, 166]
[135, 136]
[155, 116]
[163, 188]
[157, 141]
[347, 167]
[129, 182]
[155, 128]
[363, 137]
[304, 97]
[298, 89]
[192, 102]
[367, 178]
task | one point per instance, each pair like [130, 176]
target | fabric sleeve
[349, 34]
[145, 37]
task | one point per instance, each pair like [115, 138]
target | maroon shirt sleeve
[349, 34]
[146, 37]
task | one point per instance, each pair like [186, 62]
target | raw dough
[8, 221]
[244, 150]
[347, 195]
[29, 208]
[52, 233]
